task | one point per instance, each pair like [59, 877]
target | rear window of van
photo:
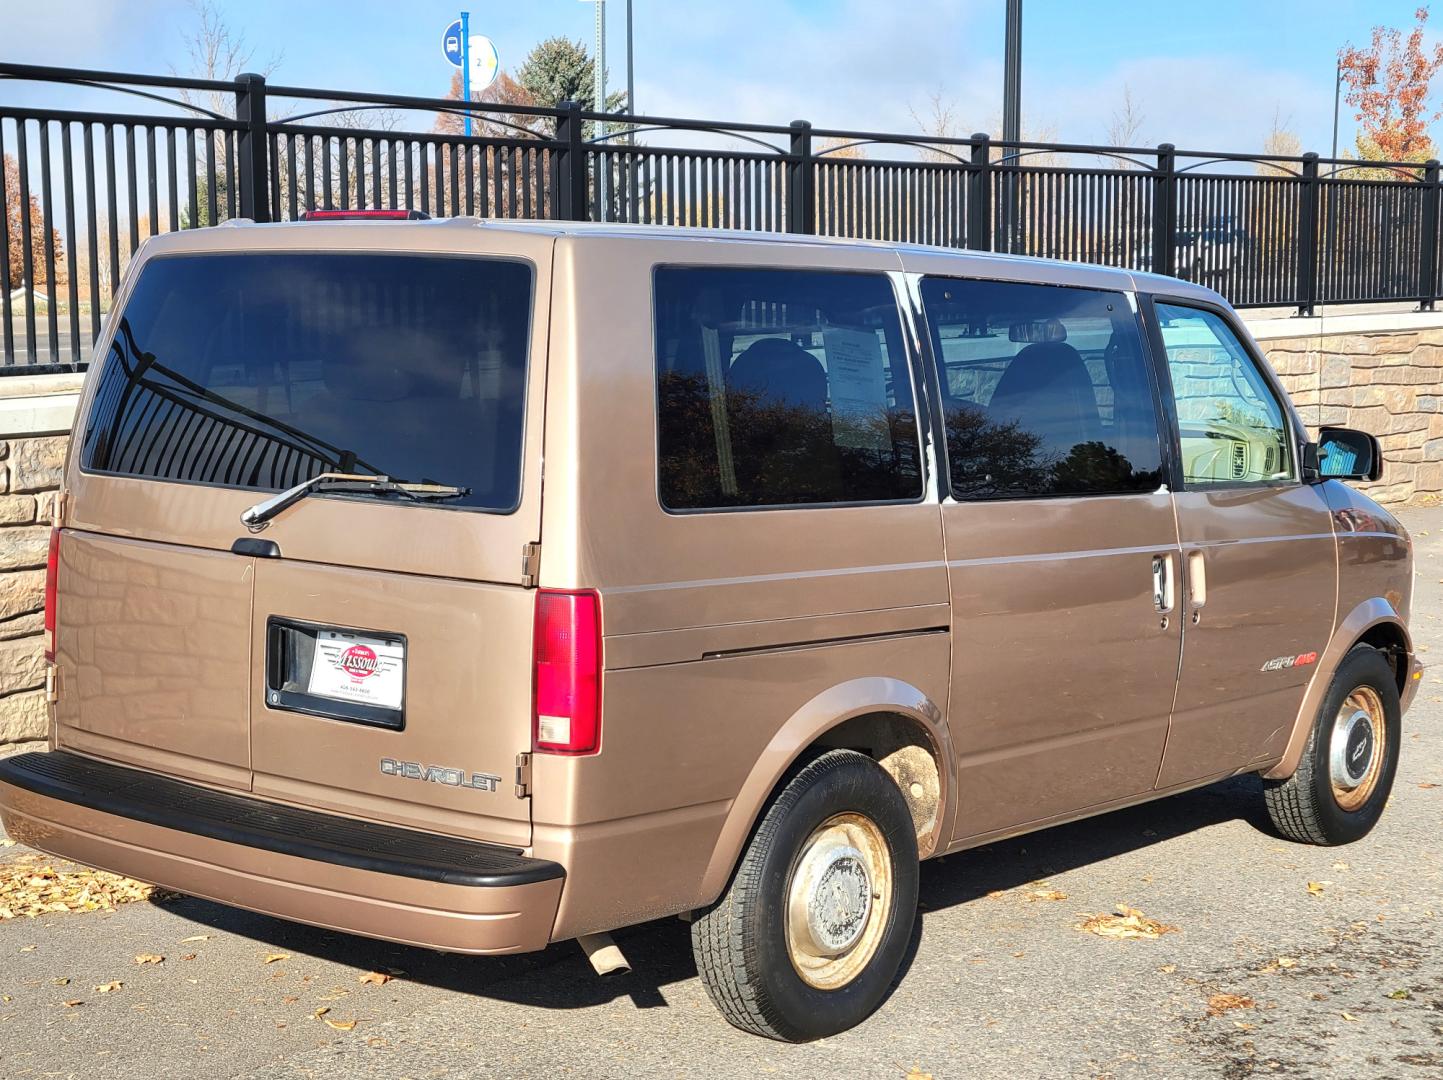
[262, 370]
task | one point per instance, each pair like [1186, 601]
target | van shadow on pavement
[660, 951]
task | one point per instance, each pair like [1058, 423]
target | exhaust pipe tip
[603, 953]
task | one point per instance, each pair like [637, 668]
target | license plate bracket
[335, 672]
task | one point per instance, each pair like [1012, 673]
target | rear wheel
[1346, 772]
[811, 931]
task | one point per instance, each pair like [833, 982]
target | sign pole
[466, 66]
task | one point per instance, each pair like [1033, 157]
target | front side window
[1231, 426]
[781, 387]
[264, 370]
[1045, 390]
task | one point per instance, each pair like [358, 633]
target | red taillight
[566, 715]
[52, 571]
[364, 215]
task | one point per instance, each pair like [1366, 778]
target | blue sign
[451, 44]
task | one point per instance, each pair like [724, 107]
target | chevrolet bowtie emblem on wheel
[440, 774]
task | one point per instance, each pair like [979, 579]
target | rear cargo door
[388, 640]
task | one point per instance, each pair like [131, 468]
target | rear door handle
[1162, 583]
[1197, 582]
[256, 548]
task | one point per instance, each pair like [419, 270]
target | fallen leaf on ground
[1046, 894]
[1349, 1017]
[915, 1073]
[149, 958]
[1427, 785]
[196, 937]
[7, 842]
[320, 1012]
[1287, 962]
[1221, 1003]
[1341, 866]
[374, 978]
[1315, 888]
[62, 982]
[340, 1025]
[106, 988]
[74, 1004]
[1127, 922]
[272, 958]
[1400, 995]
[997, 894]
[1168, 969]
[27, 890]
[188, 956]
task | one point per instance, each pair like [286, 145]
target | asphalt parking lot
[1285, 961]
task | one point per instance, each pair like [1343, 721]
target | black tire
[1305, 807]
[741, 942]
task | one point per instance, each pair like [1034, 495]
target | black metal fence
[83, 189]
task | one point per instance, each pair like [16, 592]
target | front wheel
[809, 935]
[1346, 772]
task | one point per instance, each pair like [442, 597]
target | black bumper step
[288, 830]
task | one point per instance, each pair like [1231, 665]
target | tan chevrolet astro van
[482, 585]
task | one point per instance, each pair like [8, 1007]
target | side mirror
[1348, 454]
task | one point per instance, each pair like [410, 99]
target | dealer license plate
[355, 667]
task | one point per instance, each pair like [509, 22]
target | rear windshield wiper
[257, 517]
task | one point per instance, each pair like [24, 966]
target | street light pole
[1337, 97]
[1012, 75]
[599, 104]
[1011, 122]
[630, 73]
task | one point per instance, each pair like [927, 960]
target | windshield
[262, 371]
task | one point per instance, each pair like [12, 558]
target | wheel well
[904, 748]
[1388, 639]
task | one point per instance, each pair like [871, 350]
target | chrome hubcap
[1355, 748]
[838, 900]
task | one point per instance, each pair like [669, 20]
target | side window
[1232, 427]
[1045, 390]
[781, 387]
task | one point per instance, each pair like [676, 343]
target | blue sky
[1204, 75]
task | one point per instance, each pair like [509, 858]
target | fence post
[571, 167]
[1308, 253]
[979, 197]
[1164, 212]
[1429, 283]
[252, 172]
[801, 181]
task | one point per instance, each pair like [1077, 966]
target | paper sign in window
[858, 388]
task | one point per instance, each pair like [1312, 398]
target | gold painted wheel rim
[839, 900]
[1357, 748]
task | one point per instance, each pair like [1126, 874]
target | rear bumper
[360, 877]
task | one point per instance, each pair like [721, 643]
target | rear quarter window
[261, 371]
[780, 387]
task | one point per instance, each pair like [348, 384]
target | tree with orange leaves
[16, 218]
[1388, 84]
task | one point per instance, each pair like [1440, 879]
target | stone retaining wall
[1387, 383]
[29, 476]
